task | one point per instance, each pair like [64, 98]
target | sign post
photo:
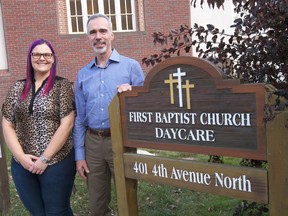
[186, 105]
[4, 180]
[126, 188]
[277, 140]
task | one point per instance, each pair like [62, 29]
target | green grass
[163, 200]
[153, 199]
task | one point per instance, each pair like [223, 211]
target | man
[96, 85]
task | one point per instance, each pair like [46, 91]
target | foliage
[256, 52]
[254, 163]
[216, 159]
[252, 207]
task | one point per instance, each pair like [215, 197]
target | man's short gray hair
[99, 15]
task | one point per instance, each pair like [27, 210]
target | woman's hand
[38, 167]
[27, 160]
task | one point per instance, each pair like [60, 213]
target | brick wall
[26, 20]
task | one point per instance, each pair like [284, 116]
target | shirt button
[102, 109]
[102, 81]
[102, 95]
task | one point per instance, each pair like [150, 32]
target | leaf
[231, 40]
[216, 31]
[186, 39]
[238, 21]
[210, 27]
[187, 49]
[214, 38]
[208, 45]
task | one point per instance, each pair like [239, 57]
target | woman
[38, 116]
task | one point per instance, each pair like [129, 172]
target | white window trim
[3, 52]
[101, 10]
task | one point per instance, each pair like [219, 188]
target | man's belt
[100, 133]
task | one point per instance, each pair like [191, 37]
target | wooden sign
[238, 182]
[186, 105]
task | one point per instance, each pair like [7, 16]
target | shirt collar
[114, 57]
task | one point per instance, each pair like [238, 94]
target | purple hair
[30, 70]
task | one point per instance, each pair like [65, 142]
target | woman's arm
[9, 133]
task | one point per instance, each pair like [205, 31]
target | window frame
[118, 14]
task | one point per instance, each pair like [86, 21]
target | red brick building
[62, 22]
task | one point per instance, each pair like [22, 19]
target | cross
[171, 81]
[179, 74]
[188, 86]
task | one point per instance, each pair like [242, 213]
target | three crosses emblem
[178, 81]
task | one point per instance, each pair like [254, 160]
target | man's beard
[100, 51]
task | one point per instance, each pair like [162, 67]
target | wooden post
[4, 180]
[277, 144]
[126, 189]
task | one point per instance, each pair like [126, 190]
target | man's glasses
[47, 56]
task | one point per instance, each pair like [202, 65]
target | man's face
[100, 36]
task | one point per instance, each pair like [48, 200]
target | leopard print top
[38, 117]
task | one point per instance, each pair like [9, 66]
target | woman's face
[42, 59]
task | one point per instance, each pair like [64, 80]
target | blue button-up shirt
[95, 88]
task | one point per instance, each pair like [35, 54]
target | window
[3, 53]
[121, 13]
